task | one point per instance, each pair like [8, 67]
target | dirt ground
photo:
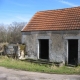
[11, 74]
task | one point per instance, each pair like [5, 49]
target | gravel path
[11, 74]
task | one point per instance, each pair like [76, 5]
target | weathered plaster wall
[57, 43]
[57, 54]
[30, 41]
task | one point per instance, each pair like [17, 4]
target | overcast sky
[23, 10]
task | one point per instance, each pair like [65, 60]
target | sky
[23, 10]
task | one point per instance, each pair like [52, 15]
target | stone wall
[57, 44]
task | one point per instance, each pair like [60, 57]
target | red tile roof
[61, 19]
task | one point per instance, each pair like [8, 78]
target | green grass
[27, 66]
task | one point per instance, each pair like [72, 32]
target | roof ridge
[59, 9]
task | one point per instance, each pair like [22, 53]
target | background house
[54, 35]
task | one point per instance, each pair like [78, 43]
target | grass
[27, 66]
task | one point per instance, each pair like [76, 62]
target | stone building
[54, 35]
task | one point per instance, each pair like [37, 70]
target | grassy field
[27, 66]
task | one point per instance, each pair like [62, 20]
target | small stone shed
[54, 35]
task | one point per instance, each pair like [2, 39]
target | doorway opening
[73, 51]
[44, 48]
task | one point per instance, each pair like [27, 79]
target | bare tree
[3, 33]
[12, 33]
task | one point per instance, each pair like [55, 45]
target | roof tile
[62, 19]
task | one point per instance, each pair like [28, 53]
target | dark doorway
[73, 51]
[43, 48]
